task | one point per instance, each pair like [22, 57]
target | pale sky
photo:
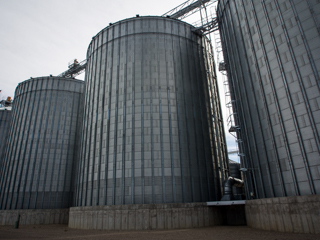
[40, 37]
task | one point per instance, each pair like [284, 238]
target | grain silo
[5, 120]
[38, 164]
[148, 134]
[271, 51]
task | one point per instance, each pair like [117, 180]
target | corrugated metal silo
[272, 52]
[5, 120]
[147, 121]
[41, 146]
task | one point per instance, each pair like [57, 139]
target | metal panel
[5, 121]
[154, 115]
[280, 41]
[41, 144]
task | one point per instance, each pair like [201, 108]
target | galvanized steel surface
[148, 135]
[41, 146]
[5, 120]
[272, 52]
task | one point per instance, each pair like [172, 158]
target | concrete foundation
[297, 214]
[34, 216]
[145, 216]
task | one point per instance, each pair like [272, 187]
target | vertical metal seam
[313, 16]
[25, 149]
[84, 157]
[124, 118]
[170, 124]
[3, 140]
[116, 117]
[186, 121]
[133, 120]
[161, 131]
[97, 78]
[9, 165]
[297, 70]
[293, 112]
[142, 122]
[78, 153]
[11, 133]
[262, 90]
[79, 181]
[16, 154]
[104, 63]
[8, 152]
[100, 96]
[51, 130]
[84, 130]
[115, 140]
[178, 117]
[305, 42]
[56, 143]
[108, 116]
[75, 97]
[275, 97]
[151, 132]
[61, 155]
[161, 138]
[313, 125]
[37, 143]
[90, 122]
[44, 143]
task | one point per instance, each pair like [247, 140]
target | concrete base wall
[297, 214]
[145, 216]
[34, 216]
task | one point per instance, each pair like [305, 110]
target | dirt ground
[218, 232]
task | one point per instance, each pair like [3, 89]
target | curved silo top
[41, 145]
[137, 25]
[147, 133]
[58, 83]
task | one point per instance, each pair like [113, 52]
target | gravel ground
[219, 232]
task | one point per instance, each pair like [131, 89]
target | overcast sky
[40, 37]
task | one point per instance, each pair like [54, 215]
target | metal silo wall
[272, 53]
[5, 120]
[41, 145]
[146, 125]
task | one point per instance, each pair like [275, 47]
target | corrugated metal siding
[5, 120]
[272, 50]
[41, 144]
[147, 121]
